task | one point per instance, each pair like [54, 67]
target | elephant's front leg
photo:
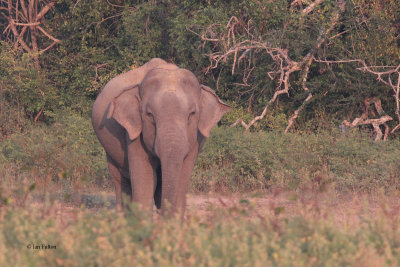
[142, 174]
[121, 183]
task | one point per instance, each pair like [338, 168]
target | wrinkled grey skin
[152, 122]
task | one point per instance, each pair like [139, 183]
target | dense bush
[235, 161]
[25, 92]
[102, 39]
[67, 151]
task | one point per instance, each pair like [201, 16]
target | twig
[311, 7]
[48, 35]
[38, 115]
[296, 113]
[97, 67]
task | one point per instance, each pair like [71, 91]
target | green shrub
[66, 151]
[25, 91]
[235, 161]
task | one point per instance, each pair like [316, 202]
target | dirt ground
[345, 210]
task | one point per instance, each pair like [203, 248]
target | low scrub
[67, 151]
[234, 161]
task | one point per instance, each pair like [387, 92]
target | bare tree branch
[376, 123]
[48, 35]
[287, 66]
[24, 8]
[311, 7]
[26, 24]
[24, 19]
[44, 10]
[384, 75]
[228, 45]
[28, 14]
[296, 113]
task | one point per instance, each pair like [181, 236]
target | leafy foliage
[101, 40]
[24, 90]
[235, 162]
[67, 152]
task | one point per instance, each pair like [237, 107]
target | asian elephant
[152, 122]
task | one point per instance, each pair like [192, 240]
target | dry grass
[304, 227]
[346, 210]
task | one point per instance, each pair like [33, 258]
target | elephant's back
[116, 85]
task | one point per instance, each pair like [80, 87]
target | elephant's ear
[125, 110]
[211, 110]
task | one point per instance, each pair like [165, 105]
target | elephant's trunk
[171, 172]
[172, 148]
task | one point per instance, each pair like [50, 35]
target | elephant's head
[172, 111]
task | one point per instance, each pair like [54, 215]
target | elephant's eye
[150, 115]
[191, 115]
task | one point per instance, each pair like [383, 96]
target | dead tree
[376, 123]
[26, 25]
[285, 66]
[388, 75]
